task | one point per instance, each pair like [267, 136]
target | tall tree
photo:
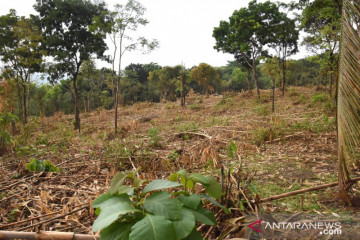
[321, 19]
[69, 41]
[206, 76]
[284, 41]
[126, 19]
[348, 107]
[20, 42]
[247, 33]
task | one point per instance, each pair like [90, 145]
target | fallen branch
[303, 191]
[42, 235]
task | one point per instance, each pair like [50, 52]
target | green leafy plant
[41, 166]
[129, 211]
[173, 155]
[154, 136]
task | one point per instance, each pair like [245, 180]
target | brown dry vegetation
[293, 148]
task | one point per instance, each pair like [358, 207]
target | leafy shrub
[127, 212]
[154, 136]
[41, 166]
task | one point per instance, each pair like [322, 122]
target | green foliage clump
[195, 107]
[154, 136]
[132, 212]
[173, 155]
[260, 135]
[225, 103]
[41, 166]
[41, 140]
[5, 138]
[188, 126]
[262, 111]
[320, 125]
[321, 97]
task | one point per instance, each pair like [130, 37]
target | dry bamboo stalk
[43, 235]
[303, 191]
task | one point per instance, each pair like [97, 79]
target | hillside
[291, 149]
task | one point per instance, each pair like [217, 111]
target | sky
[183, 28]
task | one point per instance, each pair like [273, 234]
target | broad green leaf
[153, 228]
[123, 189]
[213, 188]
[184, 226]
[190, 184]
[191, 201]
[232, 149]
[139, 182]
[97, 211]
[116, 182]
[117, 231]
[111, 209]
[194, 235]
[100, 199]
[160, 184]
[204, 216]
[200, 178]
[215, 203]
[160, 204]
[173, 177]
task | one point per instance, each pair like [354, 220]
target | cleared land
[291, 149]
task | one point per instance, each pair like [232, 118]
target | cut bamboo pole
[43, 235]
[275, 197]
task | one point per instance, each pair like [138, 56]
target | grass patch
[188, 126]
[195, 107]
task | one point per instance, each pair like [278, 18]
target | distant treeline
[151, 82]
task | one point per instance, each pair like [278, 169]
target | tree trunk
[182, 92]
[248, 80]
[273, 94]
[12, 122]
[331, 73]
[88, 102]
[256, 79]
[24, 104]
[283, 76]
[76, 106]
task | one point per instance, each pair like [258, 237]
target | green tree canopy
[247, 33]
[69, 41]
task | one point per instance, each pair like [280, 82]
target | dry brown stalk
[283, 195]
[42, 235]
